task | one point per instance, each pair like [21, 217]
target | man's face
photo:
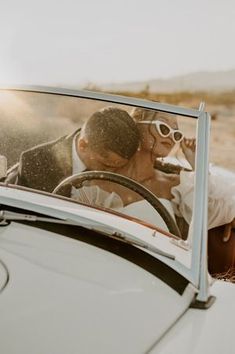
[102, 160]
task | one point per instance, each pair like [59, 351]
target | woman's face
[152, 141]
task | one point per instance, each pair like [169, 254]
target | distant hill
[199, 81]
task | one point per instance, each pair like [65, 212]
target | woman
[159, 133]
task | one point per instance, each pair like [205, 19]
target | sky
[78, 42]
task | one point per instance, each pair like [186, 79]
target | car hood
[66, 296]
[208, 331]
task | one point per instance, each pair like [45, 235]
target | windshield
[147, 157]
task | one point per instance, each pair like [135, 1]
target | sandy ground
[222, 146]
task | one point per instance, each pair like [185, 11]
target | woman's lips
[167, 143]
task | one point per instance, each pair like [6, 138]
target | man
[107, 141]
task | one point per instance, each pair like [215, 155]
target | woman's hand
[188, 147]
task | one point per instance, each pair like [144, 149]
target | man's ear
[82, 144]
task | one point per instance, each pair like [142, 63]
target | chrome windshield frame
[198, 273]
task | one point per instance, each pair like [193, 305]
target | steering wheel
[77, 180]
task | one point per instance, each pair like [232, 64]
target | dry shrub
[228, 276]
[222, 98]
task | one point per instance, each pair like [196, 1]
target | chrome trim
[200, 209]
[130, 101]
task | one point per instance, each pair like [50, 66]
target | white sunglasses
[165, 130]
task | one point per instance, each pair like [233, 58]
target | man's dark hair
[113, 129]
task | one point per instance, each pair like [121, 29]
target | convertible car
[78, 276]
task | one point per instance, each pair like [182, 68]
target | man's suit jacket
[44, 166]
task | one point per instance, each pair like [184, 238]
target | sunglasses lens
[178, 136]
[164, 129]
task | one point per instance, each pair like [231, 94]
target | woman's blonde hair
[139, 114]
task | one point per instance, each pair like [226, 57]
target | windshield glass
[47, 138]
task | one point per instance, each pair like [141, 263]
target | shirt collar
[78, 165]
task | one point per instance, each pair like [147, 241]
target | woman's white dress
[142, 210]
[221, 197]
[221, 200]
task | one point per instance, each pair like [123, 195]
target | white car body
[61, 293]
